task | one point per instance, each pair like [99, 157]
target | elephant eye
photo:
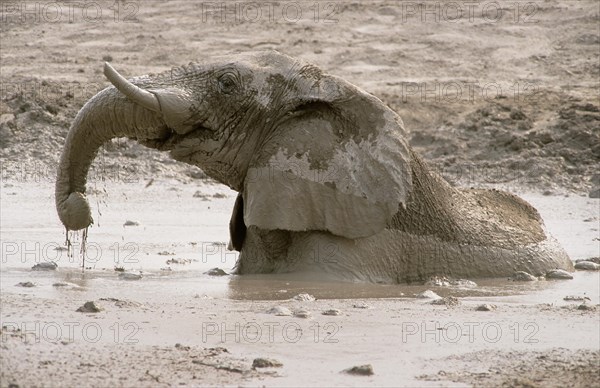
[227, 83]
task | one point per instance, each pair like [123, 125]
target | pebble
[304, 298]
[558, 274]
[448, 301]
[585, 306]
[47, 266]
[130, 276]
[266, 363]
[428, 295]
[522, 276]
[215, 272]
[587, 265]
[592, 259]
[361, 305]
[486, 307]
[333, 312]
[576, 298]
[89, 307]
[302, 314]
[361, 370]
[279, 311]
[131, 223]
[25, 284]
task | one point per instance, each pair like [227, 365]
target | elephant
[328, 183]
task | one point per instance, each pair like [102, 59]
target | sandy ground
[507, 100]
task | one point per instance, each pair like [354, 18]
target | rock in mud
[332, 312]
[215, 272]
[131, 223]
[178, 261]
[522, 276]
[592, 259]
[486, 307]
[129, 276]
[280, 311]
[25, 284]
[304, 298]
[266, 363]
[302, 314]
[449, 301]
[587, 266]
[576, 298]
[47, 266]
[89, 307]
[428, 295]
[442, 281]
[361, 370]
[437, 281]
[558, 274]
[587, 307]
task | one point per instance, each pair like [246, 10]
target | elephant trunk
[110, 114]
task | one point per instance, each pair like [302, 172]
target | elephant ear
[339, 162]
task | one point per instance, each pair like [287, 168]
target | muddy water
[179, 237]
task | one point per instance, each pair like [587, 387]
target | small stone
[332, 312]
[558, 274]
[266, 363]
[595, 193]
[362, 370]
[587, 266]
[107, 58]
[361, 305]
[448, 301]
[89, 307]
[302, 314]
[219, 195]
[178, 261]
[129, 276]
[585, 306]
[279, 311]
[522, 276]
[428, 295]
[437, 281]
[304, 298]
[47, 266]
[486, 307]
[131, 223]
[25, 284]
[464, 283]
[576, 298]
[592, 259]
[215, 272]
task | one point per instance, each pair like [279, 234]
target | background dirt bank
[502, 95]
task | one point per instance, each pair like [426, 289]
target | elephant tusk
[135, 93]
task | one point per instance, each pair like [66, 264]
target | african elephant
[327, 181]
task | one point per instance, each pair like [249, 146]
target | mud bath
[391, 329]
[178, 325]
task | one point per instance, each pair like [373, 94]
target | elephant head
[279, 130]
